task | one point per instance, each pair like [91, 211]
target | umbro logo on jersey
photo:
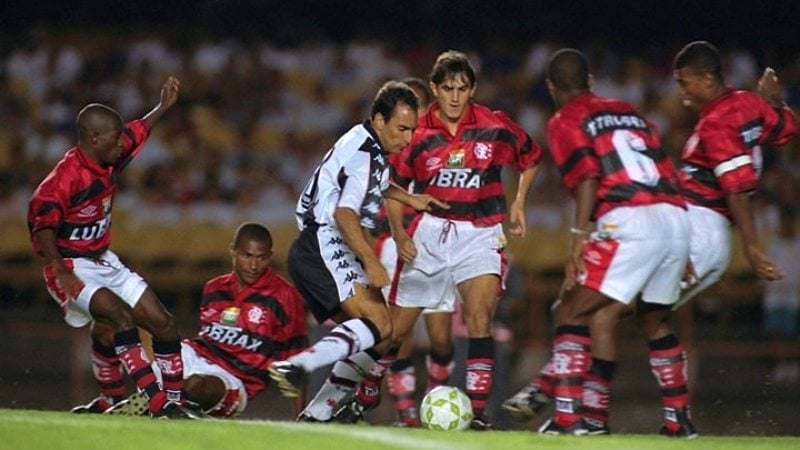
[88, 211]
[433, 164]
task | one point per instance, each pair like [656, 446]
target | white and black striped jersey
[353, 174]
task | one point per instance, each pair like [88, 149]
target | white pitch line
[375, 435]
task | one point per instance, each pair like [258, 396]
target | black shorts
[312, 277]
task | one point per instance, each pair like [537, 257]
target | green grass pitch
[48, 430]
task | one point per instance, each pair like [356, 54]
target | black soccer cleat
[682, 418]
[350, 412]
[550, 427]
[595, 427]
[175, 410]
[525, 404]
[480, 423]
[288, 376]
[308, 418]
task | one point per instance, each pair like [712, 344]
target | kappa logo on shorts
[338, 254]
[343, 265]
[334, 241]
[351, 276]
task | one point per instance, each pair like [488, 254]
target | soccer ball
[446, 408]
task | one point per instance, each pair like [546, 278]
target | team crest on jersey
[482, 151]
[107, 205]
[456, 159]
[230, 315]
[255, 315]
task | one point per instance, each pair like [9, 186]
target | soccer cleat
[685, 427]
[350, 412]
[174, 410]
[407, 418]
[135, 405]
[480, 423]
[525, 404]
[96, 406]
[308, 418]
[352, 409]
[595, 427]
[550, 427]
[288, 376]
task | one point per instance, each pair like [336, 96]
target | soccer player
[346, 374]
[249, 318]
[630, 238]
[457, 155]
[722, 160]
[69, 218]
[331, 262]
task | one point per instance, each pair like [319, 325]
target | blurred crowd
[253, 118]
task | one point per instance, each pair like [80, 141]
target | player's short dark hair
[420, 86]
[449, 65]
[389, 95]
[701, 57]
[252, 231]
[92, 115]
[568, 70]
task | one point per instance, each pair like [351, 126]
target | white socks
[344, 340]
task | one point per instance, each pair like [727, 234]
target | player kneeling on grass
[249, 318]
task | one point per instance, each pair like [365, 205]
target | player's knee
[108, 307]
[161, 326]
[441, 346]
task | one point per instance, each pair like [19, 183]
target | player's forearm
[398, 194]
[169, 95]
[349, 225]
[154, 115]
[742, 213]
[526, 179]
[394, 212]
[585, 200]
[47, 244]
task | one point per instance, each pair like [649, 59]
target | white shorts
[642, 249]
[448, 253]
[710, 249]
[387, 252]
[235, 399]
[106, 271]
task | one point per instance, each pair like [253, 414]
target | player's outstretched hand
[169, 92]
[424, 202]
[770, 89]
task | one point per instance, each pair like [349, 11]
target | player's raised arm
[169, 95]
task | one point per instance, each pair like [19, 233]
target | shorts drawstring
[446, 231]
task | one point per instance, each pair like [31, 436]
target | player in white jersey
[331, 262]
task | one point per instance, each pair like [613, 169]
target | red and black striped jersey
[76, 198]
[465, 169]
[245, 329]
[597, 137]
[724, 154]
